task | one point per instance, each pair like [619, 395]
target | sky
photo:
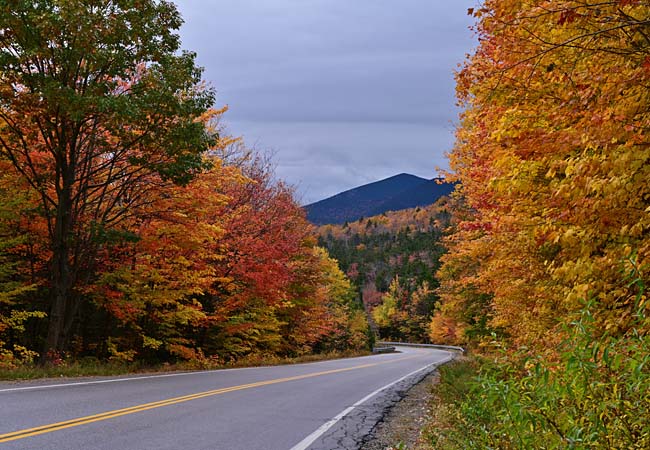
[341, 92]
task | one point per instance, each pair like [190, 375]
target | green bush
[595, 396]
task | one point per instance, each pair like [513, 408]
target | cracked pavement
[355, 429]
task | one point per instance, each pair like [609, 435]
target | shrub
[595, 395]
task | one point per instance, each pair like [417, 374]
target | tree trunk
[53, 343]
[60, 277]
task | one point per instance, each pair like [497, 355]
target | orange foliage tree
[553, 157]
[222, 268]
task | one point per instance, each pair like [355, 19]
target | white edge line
[148, 377]
[305, 443]
[112, 380]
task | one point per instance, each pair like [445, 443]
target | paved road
[324, 405]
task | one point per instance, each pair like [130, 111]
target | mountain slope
[392, 259]
[398, 192]
[423, 194]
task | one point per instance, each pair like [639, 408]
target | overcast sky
[344, 92]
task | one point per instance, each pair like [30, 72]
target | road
[324, 405]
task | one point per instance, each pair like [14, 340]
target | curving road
[324, 405]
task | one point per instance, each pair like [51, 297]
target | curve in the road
[305, 443]
[321, 406]
[49, 428]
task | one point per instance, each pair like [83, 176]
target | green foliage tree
[97, 105]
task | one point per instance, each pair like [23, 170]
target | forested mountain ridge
[395, 193]
[392, 259]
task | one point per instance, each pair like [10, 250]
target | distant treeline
[392, 259]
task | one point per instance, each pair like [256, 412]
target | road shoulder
[401, 425]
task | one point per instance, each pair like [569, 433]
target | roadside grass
[595, 395]
[449, 393]
[86, 367]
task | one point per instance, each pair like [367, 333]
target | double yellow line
[29, 432]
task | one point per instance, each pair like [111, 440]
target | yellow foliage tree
[554, 157]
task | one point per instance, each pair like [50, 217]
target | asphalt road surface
[324, 405]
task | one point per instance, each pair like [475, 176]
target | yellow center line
[21, 434]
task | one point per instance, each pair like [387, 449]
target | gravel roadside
[401, 426]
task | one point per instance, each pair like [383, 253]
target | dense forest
[132, 227]
[547, 270]
[392, 260]
[554, 162]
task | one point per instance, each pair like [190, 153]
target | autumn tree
[21, 267]
[223, 268]
[553, 158]
[98, 106]
[323, 312]
[153, 288]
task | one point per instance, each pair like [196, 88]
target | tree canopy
[553, 157]
[132, 228]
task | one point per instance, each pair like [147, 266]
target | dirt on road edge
[401, 427]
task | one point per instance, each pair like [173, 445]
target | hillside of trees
[132, 227]
[392, 259]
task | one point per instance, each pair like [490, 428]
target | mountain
[398, 192]
[423, 194]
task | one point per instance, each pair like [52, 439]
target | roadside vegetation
[547, 270]
[87, 367]
[134, 231]
[593, 395]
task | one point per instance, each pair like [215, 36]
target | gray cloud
[344, 91]
[325, 158]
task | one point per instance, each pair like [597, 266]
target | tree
[97, 106]
[323, 312]
[264, 233]
[553, 156]
[18, 265]
[154, 287]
